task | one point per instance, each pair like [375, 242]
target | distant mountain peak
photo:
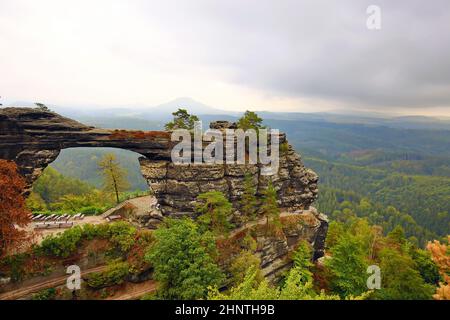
[191, 105]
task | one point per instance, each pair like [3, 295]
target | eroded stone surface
[296, 185]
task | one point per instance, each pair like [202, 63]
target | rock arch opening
[73, 184]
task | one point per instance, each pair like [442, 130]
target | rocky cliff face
[177, 186]
[33, 138]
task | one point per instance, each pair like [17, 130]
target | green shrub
[122, 234]
[91, 210]
[284, 147]
[115, 273]
[46, 294]
[100, 231]
[15, 263]
[64, 244]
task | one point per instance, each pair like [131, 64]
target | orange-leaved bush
[440, 255]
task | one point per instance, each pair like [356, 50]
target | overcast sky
[231, 54]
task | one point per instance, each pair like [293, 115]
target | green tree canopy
[269, 207]
[241, 264]
[182, 120]
[348, 267]
[182, 258]
[215, 210]
[250, 289]
[250, 120]
[115, 178]
[400, 278]
[426, 266]
[302, 260]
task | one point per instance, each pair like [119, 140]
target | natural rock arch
[34, 137]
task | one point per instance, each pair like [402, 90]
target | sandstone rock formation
[177, 186]
[33, 138]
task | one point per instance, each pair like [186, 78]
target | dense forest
[422, 202]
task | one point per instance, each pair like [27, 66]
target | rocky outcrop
[177, 186]
[33, 138]
[274, 246]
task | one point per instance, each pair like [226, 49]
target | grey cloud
[323, 49]
[315, 49]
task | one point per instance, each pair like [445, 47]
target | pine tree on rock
[249, 202]
[270, 208]
[182, 120]
[250, 120]
[215, 210]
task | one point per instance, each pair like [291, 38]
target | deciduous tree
[14, 215]
[348, 267]
[241, 264]
[440, 253]
[400, 278]
[183, 260]
[114, 176]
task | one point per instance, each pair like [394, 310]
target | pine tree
[270, 208]
[302, 260]
[182, 120]
[348, 267]
[215, 209]
[250, 120]
[249, 202]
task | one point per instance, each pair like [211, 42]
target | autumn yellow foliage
[440, 255]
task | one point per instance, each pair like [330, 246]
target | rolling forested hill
[423, 200]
